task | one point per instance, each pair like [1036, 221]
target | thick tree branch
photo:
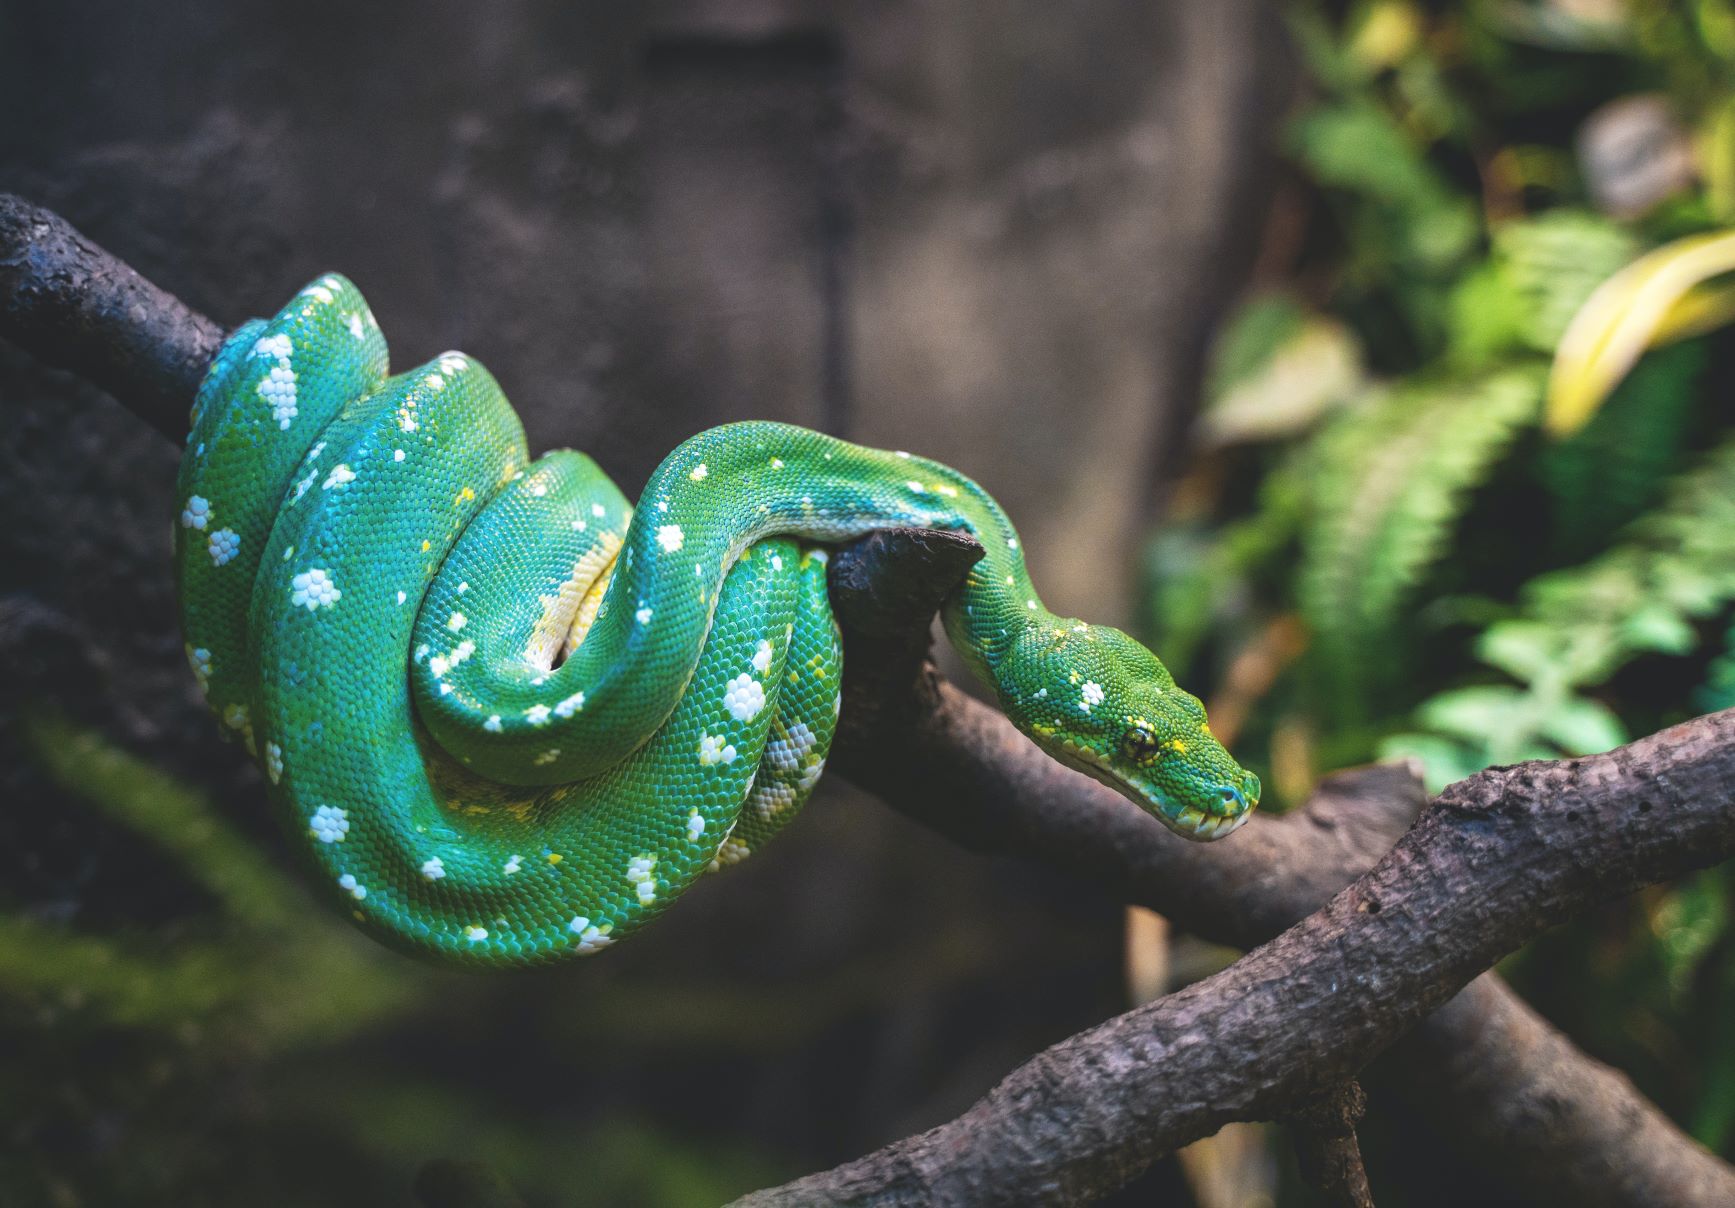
[1498, 858]
[1505, 1085]
[74, 306]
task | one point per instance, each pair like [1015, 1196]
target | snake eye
[1139, 745]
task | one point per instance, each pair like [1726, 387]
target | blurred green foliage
[1373, 472]
[207, 1053]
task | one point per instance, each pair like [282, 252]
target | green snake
[510, 716]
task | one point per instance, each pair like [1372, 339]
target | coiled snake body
[601, 702]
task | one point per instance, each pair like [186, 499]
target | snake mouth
[1187, 821]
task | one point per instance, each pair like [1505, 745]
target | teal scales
[512, 717]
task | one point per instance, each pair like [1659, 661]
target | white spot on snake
[1011, 543]
[762, 658]
[347, 883]
[439, 665]
[407, 421]
[274, 348]
[274, 762]
[578, 924]
[322, 292]
[513, 864]
[537, 714]
[462, 588]
[454, 362]
[457, 621]
[592, 939]
[313, 590]
[223, 545]
[699, 472]
[819, 556]
[785, 754]
[492, 725]
[744, 696]
[639, 874]
[277, 388]
[776, 561]
[435, 381]
[578, 526]
[1030, 604]
[356, 328]
[596, 510]
[695, 826]
[445, 689]
[433, 868]
[643, 616]
[475, 934]
[1092, 695]
[199, 659]
[662, 505]
[776, 463]
[402, 597]
[670, 537]
[421, 652]
[397, 454]
[340, 475]
[305, 485]
[329, 824]
[915, 488]
[196, 514]
[462, 651]
[570, 705]
[771, 799]
[1041, 693]
[713, 750]
[902, 454]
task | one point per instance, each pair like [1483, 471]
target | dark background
[995, 234]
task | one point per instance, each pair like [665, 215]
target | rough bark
[1498, 858]
[76, 307]
[1504, 1087]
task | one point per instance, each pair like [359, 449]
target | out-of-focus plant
[1474, 442]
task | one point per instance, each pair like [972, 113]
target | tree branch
[74, 306]
[1499, 858]
[1326, 1148]
[1511, 1091]
[1502, 1085]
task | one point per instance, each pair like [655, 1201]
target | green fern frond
[1392, 482]
[1606, 474]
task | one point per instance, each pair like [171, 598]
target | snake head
[1100, 702]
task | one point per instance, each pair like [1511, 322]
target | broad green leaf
[1583, 727]
[1650, 301]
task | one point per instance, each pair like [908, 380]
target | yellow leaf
[1657, 298]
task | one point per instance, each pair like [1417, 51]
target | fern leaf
[1393, 481]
